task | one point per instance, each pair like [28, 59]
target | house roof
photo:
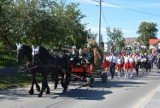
[154, 41]
[129, 40]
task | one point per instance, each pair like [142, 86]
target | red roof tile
[154, 41]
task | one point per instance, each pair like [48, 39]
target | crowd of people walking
[126, 63]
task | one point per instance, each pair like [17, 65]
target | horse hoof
[30, 93]
[55, 87]
[48, 92]
[65, 89]
[67, 82]
[39, 95]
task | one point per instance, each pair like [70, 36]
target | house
[131, 43]
[154, 44]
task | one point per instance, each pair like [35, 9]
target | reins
[22, 69]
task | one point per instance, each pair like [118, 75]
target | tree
[47, 22]
[116, 36]
[69, 28]
[146, 31]
[6, 21]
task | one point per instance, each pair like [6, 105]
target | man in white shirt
[113, 61]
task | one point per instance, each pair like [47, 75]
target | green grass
[8, 59]
[12, 79]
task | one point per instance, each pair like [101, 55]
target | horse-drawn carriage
[88, 74]
[87, 71]
[39, 60]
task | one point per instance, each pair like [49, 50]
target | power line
[104, 18]
[156, 15]
[135, 10]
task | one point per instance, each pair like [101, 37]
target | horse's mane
[28, 48]
[44, 54]
[61, 60]
[28, 52]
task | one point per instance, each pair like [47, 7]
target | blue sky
[124, 14]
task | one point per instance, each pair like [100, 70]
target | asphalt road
[116, 93]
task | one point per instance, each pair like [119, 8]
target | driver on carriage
[74, 56]
[81, 59]
[89, 56]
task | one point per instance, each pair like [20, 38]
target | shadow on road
[118, 83]
[98, 92]
[85, 94]
[14, 94]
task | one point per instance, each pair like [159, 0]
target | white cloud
[96, 29]
[128, 31]
[86, 2]
[95, 2]
[103, 30]
[131, 4]
[109, 5]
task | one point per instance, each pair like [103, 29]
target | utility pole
[100, 5]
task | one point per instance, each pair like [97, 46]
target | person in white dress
[126, 65]
[119, 65]
[131, 65]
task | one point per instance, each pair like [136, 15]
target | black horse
[26, 51]
[49, 63]
[63, 61]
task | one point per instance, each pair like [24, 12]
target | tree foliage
[116, 37]
[146, 31]
[6, 21]
[47, 22]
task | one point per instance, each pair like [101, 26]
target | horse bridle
[27, 68]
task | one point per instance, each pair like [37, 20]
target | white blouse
[119, 61]
[131, 60]
[126, 59]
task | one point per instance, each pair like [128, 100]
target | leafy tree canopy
[116, 37]
[146, 31]
[52, 23]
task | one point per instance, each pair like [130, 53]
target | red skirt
[131, 65]
[119, 66]
[105, 64]
[126, 65]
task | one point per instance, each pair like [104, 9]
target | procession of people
[127, 63]
[122, 64]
